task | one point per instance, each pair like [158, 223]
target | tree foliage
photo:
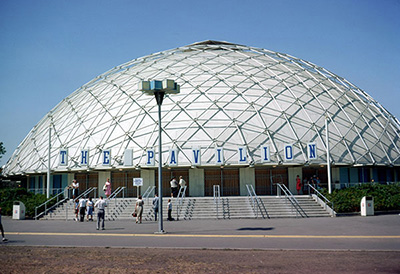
[30, 200]
[2, 150]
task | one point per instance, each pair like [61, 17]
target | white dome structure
[231, 96]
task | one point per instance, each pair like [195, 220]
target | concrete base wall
[247, 176]
[103, 176]
[335, 171]
[196, 182]
[292, 174]
[149, 177]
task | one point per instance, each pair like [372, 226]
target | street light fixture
[159, 89]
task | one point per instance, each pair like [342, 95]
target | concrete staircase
[115, 208]
[280, 207]
[196, 208]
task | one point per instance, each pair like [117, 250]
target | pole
[328, 156]
[159, 97]
[48, 165]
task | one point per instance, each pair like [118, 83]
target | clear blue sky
[49, 48]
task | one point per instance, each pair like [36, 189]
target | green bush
[30, 200]
[386, 197]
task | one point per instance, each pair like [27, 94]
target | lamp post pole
[159, 98]
[328, 156]
[48, 166]
[159, 89]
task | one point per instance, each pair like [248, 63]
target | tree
[2, 150]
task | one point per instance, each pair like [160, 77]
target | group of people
[86, 207]
[75, 188]
[314, 181]
[174, 185]
[138, 211]
[83, 206]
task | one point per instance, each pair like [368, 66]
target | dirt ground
[16, 259]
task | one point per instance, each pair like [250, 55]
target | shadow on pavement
[256, 228]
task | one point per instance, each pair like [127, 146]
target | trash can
[367, 206]
[18, 210]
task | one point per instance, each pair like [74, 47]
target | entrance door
[227, 179]
[268, 177]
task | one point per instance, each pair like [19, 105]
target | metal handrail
[326, 201]
[147, 193]
[113, 196]
[87, 192]
[45, 205]
[289, 196]
[180, 197]
[256, 200]
[116, 192]
[217, 198]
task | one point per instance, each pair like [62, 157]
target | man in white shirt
[182, 182]
[75, 189]
[100, 204]
[174, 186]
[82, 209]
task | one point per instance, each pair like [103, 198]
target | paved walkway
[342, 233]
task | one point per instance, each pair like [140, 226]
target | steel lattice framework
[231, 95]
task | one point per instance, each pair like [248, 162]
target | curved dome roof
[231, 95]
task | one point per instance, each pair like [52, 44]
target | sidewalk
[362, 233]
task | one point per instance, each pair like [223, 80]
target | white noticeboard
[137, 181]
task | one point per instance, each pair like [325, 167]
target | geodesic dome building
[261, 108]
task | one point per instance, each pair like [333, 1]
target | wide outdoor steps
[194, 208]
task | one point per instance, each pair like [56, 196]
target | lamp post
[328, 156]
[159, 89]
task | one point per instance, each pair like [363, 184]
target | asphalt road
[373, 233]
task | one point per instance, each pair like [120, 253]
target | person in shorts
[90, 209]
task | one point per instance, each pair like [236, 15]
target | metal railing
[293, 201]
[113, 198]
[322, 200]
[217, 198]
[147, 193]
[46, 210]
[117, 191]
[180, 197]
[65, 196]
[256, 202]
[87, 193]
[54, 191]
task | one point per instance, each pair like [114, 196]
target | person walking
[90, 207]
[75, 189]
[174, 186]
[101, 205]
[169, 206]
[2, 230]
[298, 184]
[155, 206]
[139, 209]
[182, 183]
[76, 209]
[108, 188]
[82, 209]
